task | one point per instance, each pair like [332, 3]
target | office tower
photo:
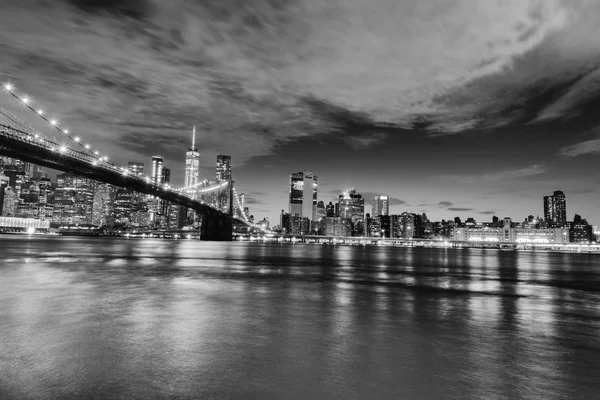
[303, 195]
[166, 175]
[157, 169]
[351, 205]
[103, 204]
[136, 168]
[403, 225]
[9, 203]
[192, 163]
[223, 168]
[560, 207]
[123, 205]
[380, 205]
[330, 210]
[555, 208]
[73, 200]
[34, 199]
[549, 208]
[321, 211]
[3, 185]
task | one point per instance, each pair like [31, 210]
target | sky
[451, 107]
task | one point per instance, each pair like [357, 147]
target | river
[140, 319]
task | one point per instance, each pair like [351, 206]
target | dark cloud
[137, 9]
[459, 209]
[487, 212]
[444, 204]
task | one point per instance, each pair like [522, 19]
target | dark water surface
[117, 318]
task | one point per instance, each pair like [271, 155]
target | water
[117, 318]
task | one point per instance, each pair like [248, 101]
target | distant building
[352, 205]
[321, 211]
[294, 224]
[157, 169]
[223, 172]
[192, 163]
[330, 210]
[403, 225]
[166, 175]
[555, 208]
[338, 226]
[73, 200]
[509, 233]
[380, 205]
[4, 180]
[136, 168]
[580, 231]
[9, 202]
[303, 195]
[103, 204]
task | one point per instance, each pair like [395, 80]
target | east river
[143, 319]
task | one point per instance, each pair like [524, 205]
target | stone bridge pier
[215, 226]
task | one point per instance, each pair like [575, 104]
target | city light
[53, 122]
[25, 100]
[63, 149]
[41, 112]
[76, 139]
[8, 86]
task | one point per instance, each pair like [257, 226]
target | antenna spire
[194, 137]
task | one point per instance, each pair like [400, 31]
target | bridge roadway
[215, 225]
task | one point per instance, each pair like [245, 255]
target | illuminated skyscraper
[303, 195]
[157, 169]
[555, 208]
[136, 168]
[223, 167]
[73, 201]
[192, 163]
[380, 205]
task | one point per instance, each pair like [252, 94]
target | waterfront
[133, 318]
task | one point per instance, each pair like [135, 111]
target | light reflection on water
[161, 319]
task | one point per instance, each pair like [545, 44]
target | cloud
[444, 204]
[512, 174]
[266, 73]
[487, 212]
[362, 142]
[459, 209]
[591, 146]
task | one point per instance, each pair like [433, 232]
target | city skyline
[511, 119]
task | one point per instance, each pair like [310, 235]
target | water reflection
[187, 319]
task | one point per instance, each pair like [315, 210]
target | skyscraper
[555, 208]
[223, 167]
[166, 175]
[73, 201]
[157, 169]
[380, 205]
[192, 163]
[303, 194]
[560, 207]
[136, 168]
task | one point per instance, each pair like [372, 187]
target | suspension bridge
[68, 153]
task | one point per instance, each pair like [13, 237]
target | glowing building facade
[157, 169]
[380, 206]
[192, 163]
[223, 168]
[303, 195]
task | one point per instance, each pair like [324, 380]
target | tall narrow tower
[192, 163]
